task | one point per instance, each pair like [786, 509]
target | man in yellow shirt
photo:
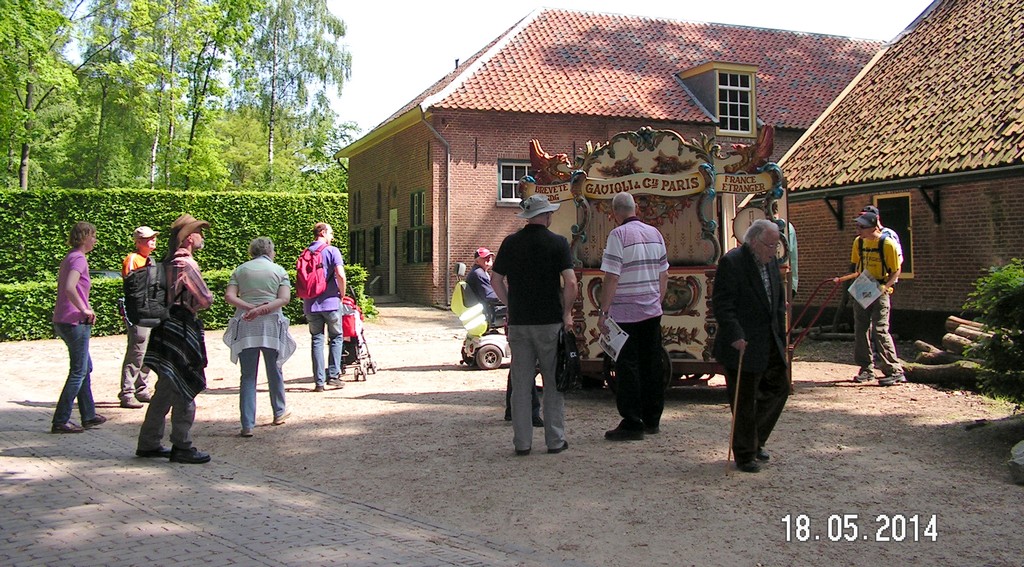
[879, 257]
[134, 375]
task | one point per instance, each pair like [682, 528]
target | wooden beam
[835, 204]
[934, 200]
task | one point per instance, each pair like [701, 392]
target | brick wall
[478, 141]
[980, 227]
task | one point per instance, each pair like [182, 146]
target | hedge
[26, 309]
[34, 225]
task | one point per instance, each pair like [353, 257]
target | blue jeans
[318, 320]
[78, 385]
[249, 360]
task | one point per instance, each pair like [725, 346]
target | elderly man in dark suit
[749, 305]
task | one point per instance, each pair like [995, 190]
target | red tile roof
[945, 97]
[566, 62]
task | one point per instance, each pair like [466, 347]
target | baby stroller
[356, 352]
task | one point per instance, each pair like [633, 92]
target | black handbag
[567, 365]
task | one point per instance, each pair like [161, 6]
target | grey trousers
[874, 320]
[535, 346]
[135, 375]
[166, 397]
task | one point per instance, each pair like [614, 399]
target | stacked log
[947, 365]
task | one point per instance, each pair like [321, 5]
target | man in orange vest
[134, 375]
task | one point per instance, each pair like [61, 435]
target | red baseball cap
[482, 253]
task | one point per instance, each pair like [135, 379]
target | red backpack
[310, 275]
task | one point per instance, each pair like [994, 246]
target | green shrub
[26, 309]
[34, 225]
[999, 298]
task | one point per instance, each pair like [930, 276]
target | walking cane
[735, 402]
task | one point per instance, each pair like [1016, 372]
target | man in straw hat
[135, 375]
[749, 304]
[177, 350]
[526, 277]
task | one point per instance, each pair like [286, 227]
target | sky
[398, 51]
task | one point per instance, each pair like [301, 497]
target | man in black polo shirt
[526, 277]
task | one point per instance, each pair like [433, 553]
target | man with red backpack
[320, 282]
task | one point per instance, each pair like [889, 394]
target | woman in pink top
[72, 321]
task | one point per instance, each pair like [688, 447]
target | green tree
[222, 30]
[33, 38]
[296, 56]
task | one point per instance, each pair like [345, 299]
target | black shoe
[538, 422]
[160, 452]
[508, 416]
[190, 456]
[97, 420]
[749, 466]
[565, 445]
[762, 455]
[620, 434]
[522, 452]
[652, 430]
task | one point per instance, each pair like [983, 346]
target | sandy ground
[918, 471]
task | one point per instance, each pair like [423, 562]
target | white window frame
[509, 186]
[735, 102]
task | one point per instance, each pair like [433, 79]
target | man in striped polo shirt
[635, 266]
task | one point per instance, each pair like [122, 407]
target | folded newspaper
[613, 341]
[865, 289]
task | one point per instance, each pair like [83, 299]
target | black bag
[567, 365]
[145, 295]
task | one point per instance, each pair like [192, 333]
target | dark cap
[867, 220]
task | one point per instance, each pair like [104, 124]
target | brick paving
[84, 499]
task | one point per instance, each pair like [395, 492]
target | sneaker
[319, 388]
[129, 403]
[190, 456]
[897, 378]
[144, 398]
[65, 428]
[246, 432]
[865, 375]
[281, 419]
[97, 420]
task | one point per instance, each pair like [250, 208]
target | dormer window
[735, 102]
[726, 91]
